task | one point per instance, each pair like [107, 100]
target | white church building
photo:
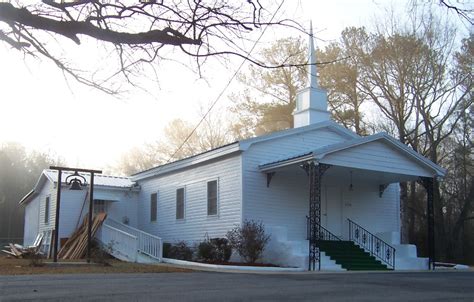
[329, 198]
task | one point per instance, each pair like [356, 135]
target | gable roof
[100, 180]
[320, 153]
[240, 146]
[188, 161]
[330, 125]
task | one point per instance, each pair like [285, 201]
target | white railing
[148, 244]
[46, 243]
[121, 244]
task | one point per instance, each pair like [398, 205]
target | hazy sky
[90, 129]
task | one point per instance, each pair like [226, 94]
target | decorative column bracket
[315, 172]
[269, 178]
[382, 189]
[428, 184]
[305, 167]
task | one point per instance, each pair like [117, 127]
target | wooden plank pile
[19, 251]
[76, 246]
[16, 251]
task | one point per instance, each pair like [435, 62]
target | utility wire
[227, 85]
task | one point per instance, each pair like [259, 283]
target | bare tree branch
[138, 31]
[462, 12]
[70, 29]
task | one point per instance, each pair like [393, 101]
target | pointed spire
[312, 101]
[312, 70]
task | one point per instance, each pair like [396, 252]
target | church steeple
[312, 70]
[311, 102]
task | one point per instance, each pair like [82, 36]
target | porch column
[315, 172]
[428, 184]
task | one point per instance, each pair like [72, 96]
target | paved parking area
[208, 286]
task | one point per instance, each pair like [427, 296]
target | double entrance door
[332, 210]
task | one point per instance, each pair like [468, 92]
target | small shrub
[223, 249]
[35, 259]
[101, 253]
[180, 251]
[214, 250]
[166, 249]
[206, 251]
[248, 240]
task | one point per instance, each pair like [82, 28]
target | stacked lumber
[16, 251]
[19, 251]
[76, 246]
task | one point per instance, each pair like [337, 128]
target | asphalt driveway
[208, 286]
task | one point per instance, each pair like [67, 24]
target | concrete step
[350, 256]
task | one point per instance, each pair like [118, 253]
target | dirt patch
[13, 266]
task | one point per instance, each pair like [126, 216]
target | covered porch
[352, 193]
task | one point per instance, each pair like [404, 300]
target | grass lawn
[13, 266]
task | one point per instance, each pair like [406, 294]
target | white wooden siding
[285, 202]
[47, 190]
[71, 204]
[127, 206]
[376, 214]
[32, 212]
[377, 156]
[74, 203]
[196, 223]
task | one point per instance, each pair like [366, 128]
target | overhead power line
[227, 85]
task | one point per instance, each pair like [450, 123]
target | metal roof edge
[188, 162]
[27, 198]
[440, 171]
[323, 151]
[242, 145]
[108, 187]
[320, 153]
[285, 162]
[245, 144]
[41, 180]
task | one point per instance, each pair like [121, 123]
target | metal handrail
[120, 231]
[148, 244]
[129, 228]
[122, 244]
[372, 244]
[321, 233]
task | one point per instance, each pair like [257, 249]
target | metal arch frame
[58, 205]
[315, 172]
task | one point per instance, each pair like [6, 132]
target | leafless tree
[181, 140]
[136, 33]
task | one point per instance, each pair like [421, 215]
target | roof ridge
[114, 176]
[96, 175]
